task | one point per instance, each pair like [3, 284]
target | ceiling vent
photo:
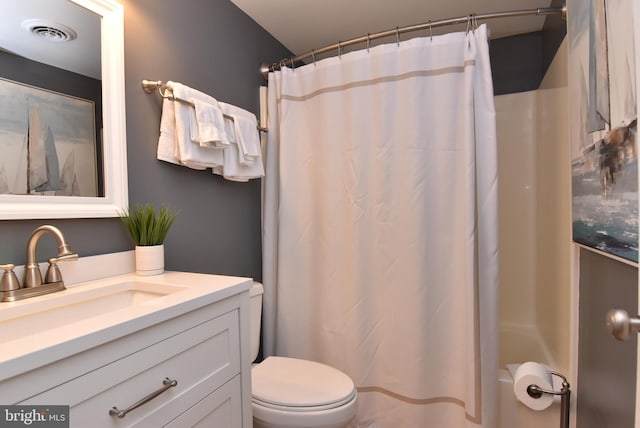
[48, 30]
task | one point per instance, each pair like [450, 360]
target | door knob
[620, 325]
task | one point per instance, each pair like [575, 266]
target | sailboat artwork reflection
[47, 143]
[603, 130]
[43, 170]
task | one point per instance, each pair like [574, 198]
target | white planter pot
[149, 260]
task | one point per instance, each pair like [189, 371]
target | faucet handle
[9, 280]
[53, 273]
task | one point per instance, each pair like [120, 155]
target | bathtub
[519, 344]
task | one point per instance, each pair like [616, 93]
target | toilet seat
[294, 385]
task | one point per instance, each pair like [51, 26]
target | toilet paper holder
[535, 391]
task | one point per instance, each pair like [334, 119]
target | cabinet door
[221, 408]
[200, 359]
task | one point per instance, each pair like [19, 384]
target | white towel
[191, 153]
[198, 135]
[234, 170]
[210, 124]
[245, 134]
[167, 145]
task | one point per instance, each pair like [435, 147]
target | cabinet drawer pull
[167, 383]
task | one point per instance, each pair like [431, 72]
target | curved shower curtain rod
[473, 18]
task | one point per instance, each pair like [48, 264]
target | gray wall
[606, 367]
[212, 46]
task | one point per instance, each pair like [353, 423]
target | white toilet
[295, 393]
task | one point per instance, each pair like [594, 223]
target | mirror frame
[114, 153]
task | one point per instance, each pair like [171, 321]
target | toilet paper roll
[531, 373]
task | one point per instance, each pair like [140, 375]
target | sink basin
[104, 301]
[55, 310]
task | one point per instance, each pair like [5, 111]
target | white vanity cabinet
[205, 350]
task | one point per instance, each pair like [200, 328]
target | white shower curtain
[380, 227]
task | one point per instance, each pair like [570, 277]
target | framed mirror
[90, 179]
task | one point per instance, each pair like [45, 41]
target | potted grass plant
[148, 230]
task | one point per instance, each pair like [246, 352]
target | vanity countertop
[41, 343]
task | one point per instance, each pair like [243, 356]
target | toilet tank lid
[256, 289]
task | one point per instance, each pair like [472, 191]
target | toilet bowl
[296, 393]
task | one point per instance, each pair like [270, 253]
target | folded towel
[234, 170]
[167, 148]
[210, 124]
[191, 153]
[171, 135]
[196, 134]
[245, 134]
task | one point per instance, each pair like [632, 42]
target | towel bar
[164, 90]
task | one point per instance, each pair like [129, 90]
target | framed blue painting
[603, 129]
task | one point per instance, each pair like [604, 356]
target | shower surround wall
[535, 235]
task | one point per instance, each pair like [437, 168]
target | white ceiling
[303, 25]
[300, 25]
[81, 55]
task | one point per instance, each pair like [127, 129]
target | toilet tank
[255, 310]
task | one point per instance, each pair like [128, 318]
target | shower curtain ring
[430, 31]
[339, 50]
[471, 21]
[293, 67]
[398, 36]
[313, 56]
[368, 41]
